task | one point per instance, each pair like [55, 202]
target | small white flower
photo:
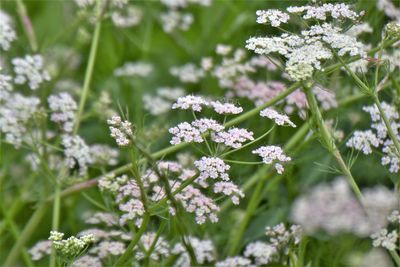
[30, 70]
[272, 16]
[270, 154]
[120, 130]
[192, 102]
[225, 108]
[212, 167]
[279, 119]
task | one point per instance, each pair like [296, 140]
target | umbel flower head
[71, 247]
[305, 52]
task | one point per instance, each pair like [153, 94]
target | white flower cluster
[229, 189]
[272, 154]
[236, 261]
[259, 253]
[120, 130]
[7, 32]
[225, 108]
[363, 141]
[131, 69]
[279, 119]
[192, 102]
[40, 249]
[108, 219]
[173, 20]
[188, 73]
[273, 16]
[77, 153]
[127, 17]
[212, 167]
[336, 11]
[234, 137]
[72, 246]
[103, 155]
[63, 108]
[5, 87]
[161, 102]
[30, 70]
[386, 238]
[15, 117]
[160, 250]
[305, 52]
[204, 252]
[327, 207]
[185, 132]
[133, 209]
[378, 136]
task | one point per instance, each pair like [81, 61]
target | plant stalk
[89, 68]
[329, 142]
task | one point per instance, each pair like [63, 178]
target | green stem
[243, 162]
[89, 68]
[15, 232]
[238, 233]
[55, 221]
[27, 25]
[374, 95]
[26, 233]
[329, 142]
[395, 257]
[387, 124]
[248, 144]
[129, 250]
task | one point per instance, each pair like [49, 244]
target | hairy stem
[329, 142]
[89, 68]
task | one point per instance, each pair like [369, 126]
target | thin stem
[153, 245]
[238, 233]
[395, 257]
[89, 68]
[387, 124]
[55, 221]
[27, 25]
[15, 232]
[374, 95]
[129, 250]
[248, 144]
[25, 234]
[329, 142]
[243, 162]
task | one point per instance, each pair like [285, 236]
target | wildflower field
[227, 133]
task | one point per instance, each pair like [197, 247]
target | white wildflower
[363, 141]
[272, 16]
[188, 73]
[270, 154]
[212, 167]
[279, 119]
[30, 70]
[225, 108]
[77, 153]
[192, 102]
[63, 108]
[234, 137]
[120, 130]
[129, 69]
[229, 189]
